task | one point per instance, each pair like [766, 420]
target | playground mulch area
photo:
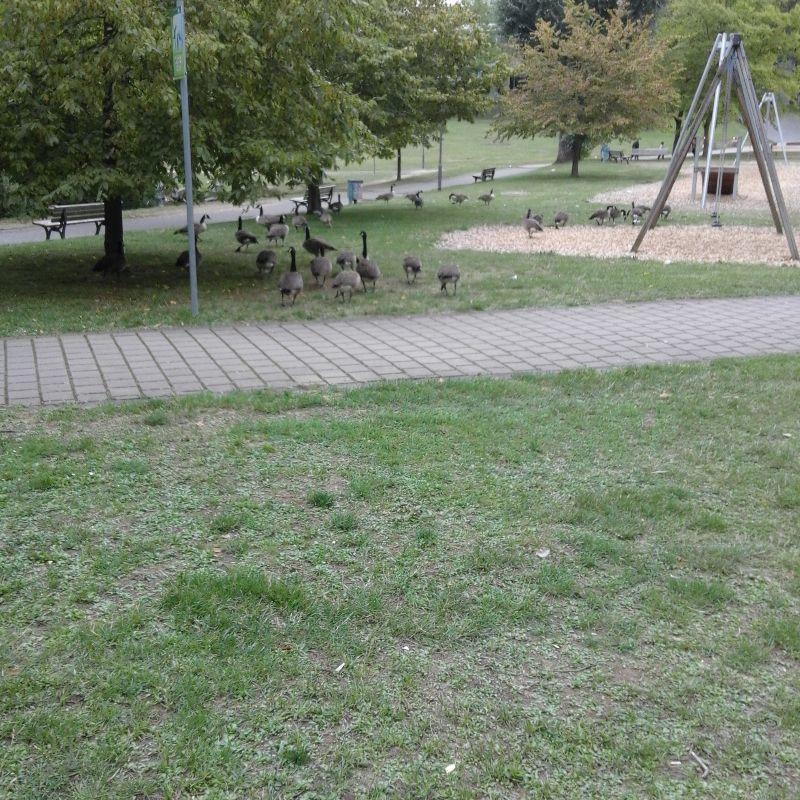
[751, 195]
[736, 244]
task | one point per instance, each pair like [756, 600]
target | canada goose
[600, 216]
[418, 201]
[244, 238]
[412, 266]
[458, 199]
[487, 198]
[387, 196]
[325, 217]
[346, 258]
[299, 221]
[450, 273]
[366, 267]
[291, 282]
[637, 213]
[267, 219]
[614, 213]
[412, 195]
[278, 230]
[315, 245]
[183, 259]
[336, 206]
[110, 262]
[560, 220]
[199, 227]
[321, 268]
[266, 261]
[346, 281]
[531, 224]
[666, 211]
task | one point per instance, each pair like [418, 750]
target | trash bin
[355, 191]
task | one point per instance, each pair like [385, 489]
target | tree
[89, 111]
[599, 78]
[769, 31]
[519, 18]
[431, 62]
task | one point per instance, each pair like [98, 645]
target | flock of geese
[356, 270]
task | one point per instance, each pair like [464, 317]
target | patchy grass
[517, 577]
[48, 287]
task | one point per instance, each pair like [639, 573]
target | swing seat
[728, 179]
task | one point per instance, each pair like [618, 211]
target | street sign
[178, 47]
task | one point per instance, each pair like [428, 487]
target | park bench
[325, 198]
[618, 155]
[649, 152]
[63, 215]
[487, 174]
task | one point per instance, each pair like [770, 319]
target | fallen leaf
[665, 395]
[543, 552]
[340, 667]
[450, 768]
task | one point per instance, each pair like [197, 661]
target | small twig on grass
[701, 763]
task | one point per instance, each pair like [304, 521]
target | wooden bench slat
[487, 173]
[72, 214]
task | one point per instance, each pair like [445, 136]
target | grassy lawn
[561, 585]
[49, 286]
[467, 148]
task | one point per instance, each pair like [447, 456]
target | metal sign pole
[179, 72]
[439, 170]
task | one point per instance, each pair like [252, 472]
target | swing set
[732, 75]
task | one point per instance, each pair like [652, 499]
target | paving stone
[349, 352]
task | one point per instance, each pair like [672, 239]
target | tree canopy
[599, 78]
[769, 32]
[518, 18]
[278, 91]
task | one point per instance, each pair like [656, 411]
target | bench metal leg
[63, 231]
[47, 232]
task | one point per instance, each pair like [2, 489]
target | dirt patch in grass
[734, 244]
[751, 195]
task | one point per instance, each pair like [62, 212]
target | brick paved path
[95, 367]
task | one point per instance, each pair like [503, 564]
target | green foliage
[518, 18]
[431, 62]
[278, 92]
[768, 28]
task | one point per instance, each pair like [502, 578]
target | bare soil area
[666, 243]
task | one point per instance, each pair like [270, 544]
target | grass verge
[560, 585]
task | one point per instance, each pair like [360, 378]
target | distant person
[662, 152]
[635, 150]
[605, 153]
[694, 145]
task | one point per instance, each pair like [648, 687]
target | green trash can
[355, 191]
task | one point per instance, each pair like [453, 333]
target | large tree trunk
[399, 164]
[114, 245]
[577, 145]
[565, 149]
[113, 242]
[706, 135]
[314, 203]
[678, 125]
